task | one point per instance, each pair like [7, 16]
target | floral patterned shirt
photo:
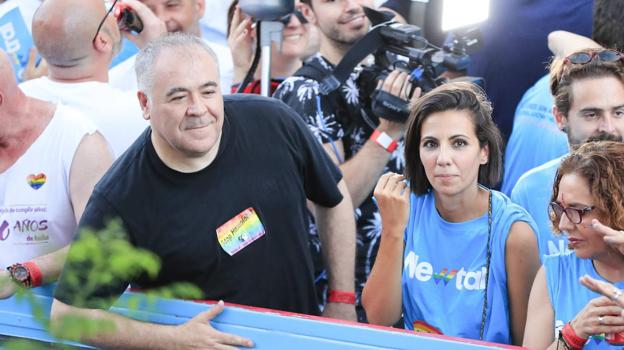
[329, 126]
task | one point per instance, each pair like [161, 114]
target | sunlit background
[462, 13]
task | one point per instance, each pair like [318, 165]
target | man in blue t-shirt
[534, 188]
[589, 103]
[536, 138]
[514, 47]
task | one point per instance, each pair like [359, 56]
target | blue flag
[15, 37]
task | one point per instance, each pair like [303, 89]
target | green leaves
[101, 258]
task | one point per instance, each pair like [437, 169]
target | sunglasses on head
[584, 57]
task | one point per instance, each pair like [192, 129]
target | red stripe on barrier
[350, 323]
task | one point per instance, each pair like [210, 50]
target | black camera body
[404, 47]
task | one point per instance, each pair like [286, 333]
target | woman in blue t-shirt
[455, 258]
[588, 191]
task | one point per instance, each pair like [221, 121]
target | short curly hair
[460, 96]
[601, 164]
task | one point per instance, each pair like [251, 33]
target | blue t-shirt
[535, 138]
[567, 296]
[532, 192]
[515, 49]
[444, 270]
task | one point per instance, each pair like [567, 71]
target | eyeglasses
[584, 57]
[110, 5]
[555, 210]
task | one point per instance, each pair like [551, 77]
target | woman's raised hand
[392, 196]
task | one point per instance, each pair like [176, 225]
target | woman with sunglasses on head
[563, 314]
[456, 258]
[298, 42]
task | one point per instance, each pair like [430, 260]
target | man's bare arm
[562, 43]
[362, 171]
[50, 266]
[90, 162]
[92, 159]
[336, 228]
[129, 334]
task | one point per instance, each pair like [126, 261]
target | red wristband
[337, 296]
[36, 277]
[571, 338]
[384, 140]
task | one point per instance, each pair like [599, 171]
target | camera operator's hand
[241, 43]
[397, 84]
[153, 27]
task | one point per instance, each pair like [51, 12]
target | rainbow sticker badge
[240, 231]
[423, 327]
[36, 181]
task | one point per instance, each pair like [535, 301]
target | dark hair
[562, 76]
[601, 164]
[460, 96]
[230, 15]
[608, 30]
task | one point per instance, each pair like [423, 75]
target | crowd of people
[308, 201]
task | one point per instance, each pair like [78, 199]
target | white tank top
[36, 213]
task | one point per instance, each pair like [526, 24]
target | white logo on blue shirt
[423, 271]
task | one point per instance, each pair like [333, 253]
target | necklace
[487, 267]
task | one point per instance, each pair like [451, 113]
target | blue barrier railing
[268, 329]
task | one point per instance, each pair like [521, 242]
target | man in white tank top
[50, 159]
[78, 56]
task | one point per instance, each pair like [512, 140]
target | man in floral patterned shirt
[362, 144]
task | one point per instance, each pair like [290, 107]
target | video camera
[401, 46]
[405, 48]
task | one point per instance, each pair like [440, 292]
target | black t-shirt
[267, 161]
